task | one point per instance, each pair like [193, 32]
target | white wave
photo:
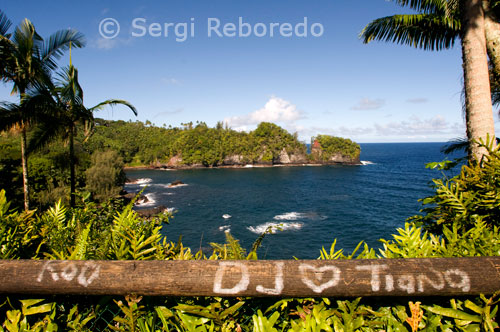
[290, 216]
[163, 185]
[225, 228]
[299, 215]
[141, 181]
[366, 162]
[275, 227]
[226, 216]
[171, 210]
[170, 186]
[149, 202]
[248, 166]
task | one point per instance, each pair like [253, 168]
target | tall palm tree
[64, 112]
[26, 60]
[436, 26]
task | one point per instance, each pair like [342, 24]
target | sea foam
[299, 215]
[151, 201]
[225, 228]
[275, 227]
[143, 181]
[366, 162]
[290, 216]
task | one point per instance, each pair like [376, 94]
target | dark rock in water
[131, 181]
[149, 213]
[176, 183]
[142, 199]
[128, 197]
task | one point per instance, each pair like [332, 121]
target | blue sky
[328, 84]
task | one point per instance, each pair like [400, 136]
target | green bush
[105, 177]
[470, 198]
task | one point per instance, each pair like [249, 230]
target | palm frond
[114, 102]
[27, 39]
[457, 145]
[43, 134]
[69, 87]
[5, 24]
[10, 115]
[425, 31]
[59, 42]
[442, 7]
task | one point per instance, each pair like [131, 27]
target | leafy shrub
[105, 177]
[467, 199]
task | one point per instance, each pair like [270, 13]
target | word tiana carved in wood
[84, 275]
[318, 279]
[454, 278]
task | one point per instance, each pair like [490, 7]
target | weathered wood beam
[289, 278]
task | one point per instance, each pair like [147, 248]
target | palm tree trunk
[72, 167]
[478, 109]
[492, 33]
[24, 162]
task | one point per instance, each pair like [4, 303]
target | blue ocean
[307, 207]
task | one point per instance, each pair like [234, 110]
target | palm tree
[64, 112]
[27, 60]
[437, 26]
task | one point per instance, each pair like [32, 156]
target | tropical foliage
[468, 199]
[332, 146]
[142, 144]
[27, 62]
[62, 113]
[114, 231]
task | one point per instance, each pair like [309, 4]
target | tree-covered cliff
[199, 145]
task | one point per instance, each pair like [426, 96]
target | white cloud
[414, 128]
[367, 104]
[105, 44]
[276, 110]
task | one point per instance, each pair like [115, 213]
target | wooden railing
[289, 278]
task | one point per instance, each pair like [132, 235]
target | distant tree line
[197, 144]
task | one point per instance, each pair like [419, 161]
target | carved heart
[319, 274]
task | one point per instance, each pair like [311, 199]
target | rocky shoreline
[178, 165]
[198, 166]
[317, 157]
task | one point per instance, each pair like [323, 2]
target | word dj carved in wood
[384, 277]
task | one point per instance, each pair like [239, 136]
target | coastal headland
[144, 146]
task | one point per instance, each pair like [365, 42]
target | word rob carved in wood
[320, 278]
[84, 274]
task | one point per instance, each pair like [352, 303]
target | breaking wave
[299, 215]
[275, 227]
[141, 181]
[225, 228]
[150, 201]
